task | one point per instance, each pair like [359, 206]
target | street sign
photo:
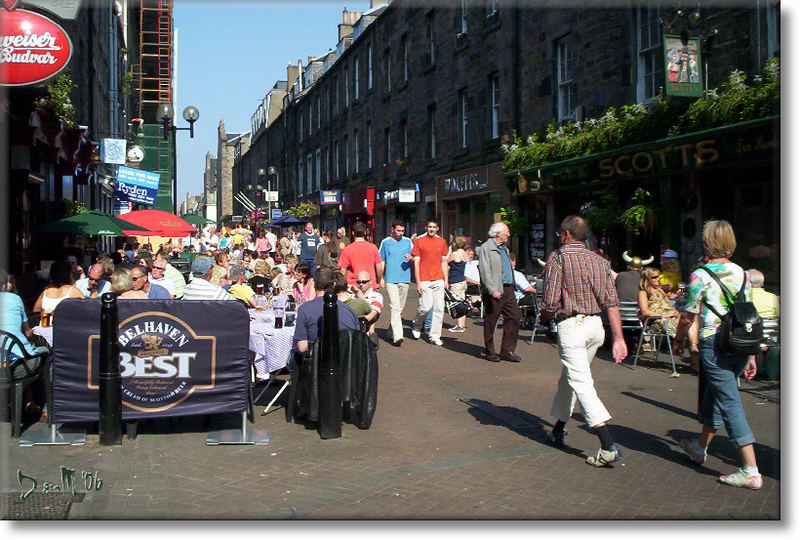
[276, 213]
[272, 196]
[136, 185]
[236, 219]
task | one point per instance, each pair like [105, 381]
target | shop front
[731, 173]
[330, 204]
[359, 205]
[395, 204]
[469, 201]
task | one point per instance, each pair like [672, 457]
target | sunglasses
[362, 282]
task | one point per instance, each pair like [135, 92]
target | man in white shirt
[157, 277]
[273, 241]
[93, 286]
[364, 290]
[521, 284]
[200, 288]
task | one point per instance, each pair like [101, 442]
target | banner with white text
[174, 359]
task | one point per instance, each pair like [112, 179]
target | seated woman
[653, 301]
[122, 285]
[61, 286]
[304, 286]
[261, 276]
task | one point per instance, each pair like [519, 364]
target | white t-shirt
[164, 282]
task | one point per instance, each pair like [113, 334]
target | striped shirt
[200, 289]
[577, 281]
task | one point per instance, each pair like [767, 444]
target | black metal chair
[15, 385]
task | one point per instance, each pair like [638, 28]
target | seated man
[522, 286]
[767, 304]
[93, 285]
[670, 275]
[239, 289]
[308, 326]
[364, 291]
[201, 287]
[627, 282]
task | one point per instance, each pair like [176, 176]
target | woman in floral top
[720, 404]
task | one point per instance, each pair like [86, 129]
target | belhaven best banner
[174, 359]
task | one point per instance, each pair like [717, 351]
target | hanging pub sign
[682, 66]
[330, 196]
[136, 185]
[32, 48]
[113, 151]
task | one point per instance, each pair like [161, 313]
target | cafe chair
[654, 333]
[14, 385]
[631, 322]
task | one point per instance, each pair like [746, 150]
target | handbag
[455, 308]
[742, 330]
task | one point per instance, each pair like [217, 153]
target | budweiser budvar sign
[32, 48]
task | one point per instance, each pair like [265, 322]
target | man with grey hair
[239, 289]
[497, 294]
[767, 304]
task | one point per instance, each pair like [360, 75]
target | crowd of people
[577, 286]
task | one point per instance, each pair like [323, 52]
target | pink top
[301, 297]
[262, 244]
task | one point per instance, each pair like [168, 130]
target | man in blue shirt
[308, 326]
[309, 242]
[395, 252]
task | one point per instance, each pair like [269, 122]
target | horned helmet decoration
[636, 263]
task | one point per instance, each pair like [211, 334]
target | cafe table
[272, 348]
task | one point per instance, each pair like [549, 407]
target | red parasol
[158, 223]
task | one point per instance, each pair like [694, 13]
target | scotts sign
[32, 48]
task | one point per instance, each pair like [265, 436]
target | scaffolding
[155, 55]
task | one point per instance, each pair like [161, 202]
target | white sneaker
[456, 329]
[436, 341]
[415, 332]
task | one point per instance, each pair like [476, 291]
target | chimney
[346, 28]
[310, 58]
[376, 3]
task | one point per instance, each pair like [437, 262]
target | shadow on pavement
[661, 405]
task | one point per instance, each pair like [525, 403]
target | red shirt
[360, 256]
[430, 250]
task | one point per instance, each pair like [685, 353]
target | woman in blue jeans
[720, 404]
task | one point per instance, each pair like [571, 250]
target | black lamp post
[165, 115]
[272, 171]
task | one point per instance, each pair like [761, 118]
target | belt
[508, 284]
[580, 316]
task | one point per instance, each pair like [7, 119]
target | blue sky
[230, 54]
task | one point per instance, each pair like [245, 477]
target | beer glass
[278, 317]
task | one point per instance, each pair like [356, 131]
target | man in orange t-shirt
[430, 270]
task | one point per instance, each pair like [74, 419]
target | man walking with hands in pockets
[577, 287]
[395, 252]
[430, 269]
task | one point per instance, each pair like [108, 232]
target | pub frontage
[469, 201]
[730, 172]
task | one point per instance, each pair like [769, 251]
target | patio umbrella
[285, 221]
[92, 222]
[158, 223]
[194, 219]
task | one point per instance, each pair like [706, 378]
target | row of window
[339, 92]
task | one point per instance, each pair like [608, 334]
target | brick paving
[454, 437]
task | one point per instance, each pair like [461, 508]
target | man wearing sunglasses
[363, 290]
[157, 277]
[141, 283]
[93, 285]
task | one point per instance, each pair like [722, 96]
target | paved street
[453, 437]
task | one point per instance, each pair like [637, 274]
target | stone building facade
[409, 117]
[229, 147]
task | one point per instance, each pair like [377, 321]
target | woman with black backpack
[722, 363]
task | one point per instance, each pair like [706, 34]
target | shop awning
[744, 144]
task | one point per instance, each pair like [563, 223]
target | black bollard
[330, 401]
[109, 379]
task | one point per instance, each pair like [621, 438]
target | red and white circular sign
[32, 48]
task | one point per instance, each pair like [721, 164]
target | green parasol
[194, 219]
[91, 222]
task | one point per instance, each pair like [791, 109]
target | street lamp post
[165, 115]
[261, 174]
[272, 171]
